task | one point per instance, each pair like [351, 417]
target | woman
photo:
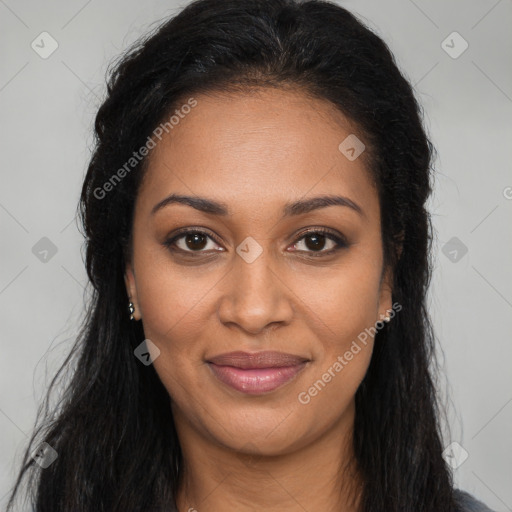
[259, 248]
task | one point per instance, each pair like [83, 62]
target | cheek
[329, 395]
[342, 312]
[172, 298]
[344, 304]
[173, 308]
[348, 310]
[172, 320]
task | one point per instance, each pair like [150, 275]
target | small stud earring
[387, 318]
[131, 309]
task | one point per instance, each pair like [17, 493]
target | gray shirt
[468, 503]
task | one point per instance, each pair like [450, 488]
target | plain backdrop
[47, 109]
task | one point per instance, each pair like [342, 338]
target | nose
[256, 298]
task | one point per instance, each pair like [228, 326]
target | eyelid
[334, 235]
[169, 242]
[339, 240]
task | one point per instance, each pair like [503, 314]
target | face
[253, 273]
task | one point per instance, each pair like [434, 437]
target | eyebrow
[290, 209]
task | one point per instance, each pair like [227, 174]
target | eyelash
[340, 241]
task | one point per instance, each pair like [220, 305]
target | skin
[255, 152]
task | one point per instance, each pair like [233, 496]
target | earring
[131, 309]
[387, 318]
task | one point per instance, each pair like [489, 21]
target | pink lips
[258, 372]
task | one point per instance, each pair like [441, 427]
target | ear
[385, 295]
[131, 290]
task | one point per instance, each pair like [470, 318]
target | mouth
[256, 373]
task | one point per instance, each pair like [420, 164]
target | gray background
[47, 110]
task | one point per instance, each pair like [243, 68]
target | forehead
[262, 148]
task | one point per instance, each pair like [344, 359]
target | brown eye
[191, 241]
[315, 241]
[195, 241]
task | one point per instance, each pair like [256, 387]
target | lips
[246, 360]
[256, 373]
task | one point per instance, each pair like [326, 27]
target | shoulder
[466, 502]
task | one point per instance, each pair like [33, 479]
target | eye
[315, 241]
[190, 240]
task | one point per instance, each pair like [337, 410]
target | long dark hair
[112, 428]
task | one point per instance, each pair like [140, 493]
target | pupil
[318, 241]
[191, 241]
